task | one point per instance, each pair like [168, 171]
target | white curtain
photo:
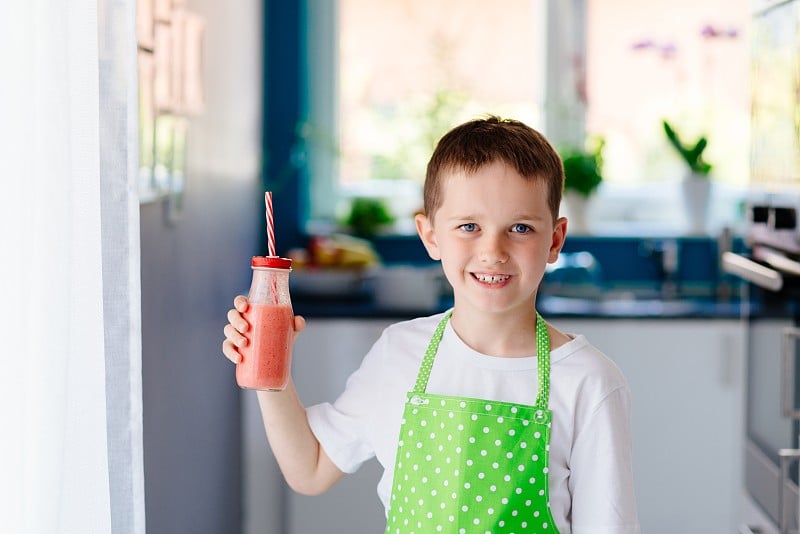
[70, 379]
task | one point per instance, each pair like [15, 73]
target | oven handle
[752, 271]
[788, 379]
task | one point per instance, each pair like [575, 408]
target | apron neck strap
[542, 360]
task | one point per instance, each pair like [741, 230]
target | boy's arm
[302, 460]
[304, 464]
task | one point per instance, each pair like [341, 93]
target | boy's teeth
[491, 278]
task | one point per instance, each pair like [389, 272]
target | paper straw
[270, 224]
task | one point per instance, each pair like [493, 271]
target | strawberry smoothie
[266, 360]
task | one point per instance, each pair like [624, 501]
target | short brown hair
[480, 142]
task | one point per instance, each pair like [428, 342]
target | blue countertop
[549, 306]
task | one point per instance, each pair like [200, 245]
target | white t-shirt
[590, 475]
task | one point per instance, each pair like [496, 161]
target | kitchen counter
[363, 307]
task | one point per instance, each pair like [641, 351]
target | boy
[459, 408]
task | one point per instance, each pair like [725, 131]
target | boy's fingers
[238, 322]
[230, 351]
[234, 336]
[299, 324]
[240, 303]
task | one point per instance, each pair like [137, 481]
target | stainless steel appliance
[772, 450]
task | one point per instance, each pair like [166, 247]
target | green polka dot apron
[469, 465]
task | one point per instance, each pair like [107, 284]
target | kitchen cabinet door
[687, 383]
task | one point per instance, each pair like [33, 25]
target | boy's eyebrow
[515, 217]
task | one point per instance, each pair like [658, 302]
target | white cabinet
[687, 382]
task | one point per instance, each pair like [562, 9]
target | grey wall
[190, 272]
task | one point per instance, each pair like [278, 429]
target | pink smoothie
[266, 360]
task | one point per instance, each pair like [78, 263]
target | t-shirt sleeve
[341, 427]
[601, 472]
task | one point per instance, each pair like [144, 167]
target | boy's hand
[238, 326]
[235, 329]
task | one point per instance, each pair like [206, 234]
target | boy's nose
[492, 252]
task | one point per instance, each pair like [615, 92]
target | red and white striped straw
[270, 224]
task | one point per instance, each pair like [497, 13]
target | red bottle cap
[271, 262]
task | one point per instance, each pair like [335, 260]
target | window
[388, 78]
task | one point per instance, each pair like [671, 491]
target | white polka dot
[424, 480]
[518, 491]
[469, 463]
[524, 524]
[509, 455]
[545, 470]
[483, 452]
[476, 521]
[521, 467]
[423, 423]
[536, 513]
[513, 409]
[462, 404]
[504, 500]
[495, 465]
[479, 498]
[488, 407]
[528, 502]
[466, 485]
[537, 435]
[474, 417]
[486, 430]
[501, 523]
[464, 508]
[498, 442]
[525, 422]
[460, 427]
[507, 478]
[541, 492]
[490, 511]
[481, 476]
[492, 488]
[500, 419]
[544, 525]
[428, 457]
[410, 432]
[472, 439]
[451, 518]
[535, 457]
[514, 513]
[511, 432]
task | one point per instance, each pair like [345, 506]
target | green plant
[691, 154]
[583, 168]
[367, 215]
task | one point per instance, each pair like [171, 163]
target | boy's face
[494, 235]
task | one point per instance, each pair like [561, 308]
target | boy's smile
[494, 235]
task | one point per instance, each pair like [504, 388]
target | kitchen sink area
[631, 277]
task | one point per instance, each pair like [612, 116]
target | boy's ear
[559, 233]
[425, 231]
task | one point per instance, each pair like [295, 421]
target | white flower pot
[576, 212]
[696, 191]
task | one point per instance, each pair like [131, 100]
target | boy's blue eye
[520, 228]
[469, 227]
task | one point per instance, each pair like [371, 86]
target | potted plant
[696, 185]
[367, 216]
[692, 154]
[583, 169]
